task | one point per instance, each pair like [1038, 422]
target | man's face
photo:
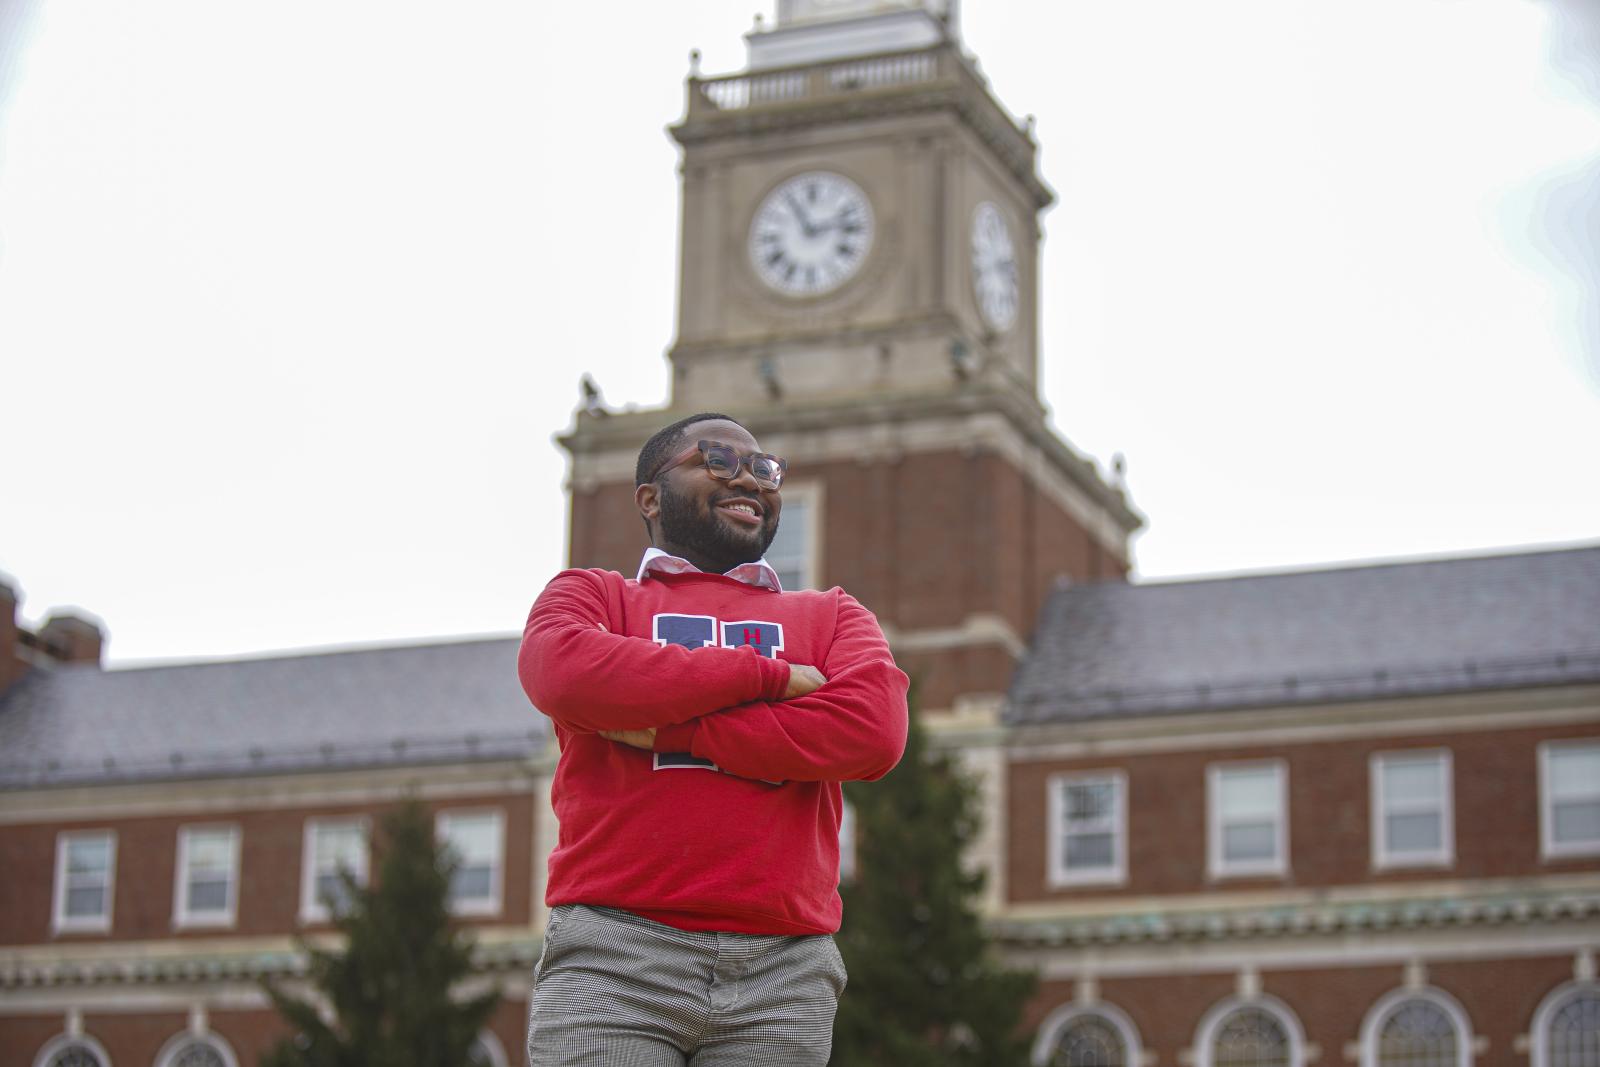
[716, 524]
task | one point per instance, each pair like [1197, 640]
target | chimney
[11, 662]
[72, 638]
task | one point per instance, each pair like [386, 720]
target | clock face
[811, 234]
[994, 267]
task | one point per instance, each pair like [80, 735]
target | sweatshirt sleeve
[852, 728]
[588, 679]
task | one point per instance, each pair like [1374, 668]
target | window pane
[1249, 793]
[86, 901]
[210, 851]
[339, 845]
[1089, 801]
[1575, 1032]
[208, 895]
[1090, 1041]
[75, 1056]
[1251, 1037]
[1577, 822]
[1418, 1034]
[470, 883]
[1089, 851]
[475, 838]
[789, 550]
[1412, 782]
[1575, 772]
[331, 893]
[88, 856]
[1249, 841]
[198, 1054]
[1414, 833]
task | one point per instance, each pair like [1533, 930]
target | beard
[719, 544]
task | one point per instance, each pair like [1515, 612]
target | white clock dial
[811, 234]
[994, 267]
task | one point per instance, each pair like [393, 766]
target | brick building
[1348, 815]
[168, 833]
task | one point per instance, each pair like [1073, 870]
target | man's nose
[745, 477]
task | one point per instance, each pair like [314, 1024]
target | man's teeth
[746, 508]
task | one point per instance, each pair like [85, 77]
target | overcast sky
[293, 296]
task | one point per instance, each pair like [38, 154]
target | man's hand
[645, 739]
[803, 680]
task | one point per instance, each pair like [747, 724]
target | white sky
[293, 296]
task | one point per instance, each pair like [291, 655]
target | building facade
[171, 836]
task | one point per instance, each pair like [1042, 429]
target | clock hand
[799, 213]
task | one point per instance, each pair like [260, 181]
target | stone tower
[858, 283]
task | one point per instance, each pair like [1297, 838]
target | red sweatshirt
[732, 824]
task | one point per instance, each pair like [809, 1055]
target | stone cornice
[498, 957]
[1300, 920]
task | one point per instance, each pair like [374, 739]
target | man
[706, 717]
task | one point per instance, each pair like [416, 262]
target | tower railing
[818, 82]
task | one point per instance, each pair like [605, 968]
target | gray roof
[1350, 633]
[401, 705]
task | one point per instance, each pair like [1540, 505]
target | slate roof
[402, 705]
[1350, 633]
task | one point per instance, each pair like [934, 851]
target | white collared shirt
[759, 573]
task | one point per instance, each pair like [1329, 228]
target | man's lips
[735, 510]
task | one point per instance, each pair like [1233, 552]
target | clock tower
[858, 283]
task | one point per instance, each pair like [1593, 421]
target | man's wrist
[677, 738]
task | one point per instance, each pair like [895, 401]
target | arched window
[1566, 1028]
[1416, 1028]
[66, 1051]
[190, 1049]
[1259, 1032]
[1087, 1035]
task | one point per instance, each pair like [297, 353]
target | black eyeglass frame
[704, 450]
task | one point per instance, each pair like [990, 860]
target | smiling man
[706, 717]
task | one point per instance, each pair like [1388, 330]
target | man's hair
[669, 439]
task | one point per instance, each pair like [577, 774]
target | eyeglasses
[724, 463]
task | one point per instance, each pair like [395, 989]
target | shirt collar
[759, 573]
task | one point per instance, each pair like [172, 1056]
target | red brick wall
[1496, 814]
[271, 850]
[1499, 997]
[133, 1039]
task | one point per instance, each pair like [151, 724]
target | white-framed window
[86, 876]
[847, 843]
[1566, 1027]
[1258, 1032]
[477, 841]
[796, 552]
[190, 1049]
[1247, 817]
[1088, 827]
[1087, 1033]
[1413, 809]
[331, 845]
[72, 1050]
[206, 886]
[1569, 798]
[1416, 1028]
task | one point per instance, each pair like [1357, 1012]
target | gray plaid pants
[614, 989]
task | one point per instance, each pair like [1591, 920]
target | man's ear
[648, 499]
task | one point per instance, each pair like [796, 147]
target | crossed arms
[752, 716]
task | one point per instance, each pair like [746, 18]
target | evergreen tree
[390, 986]
[924, 986]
